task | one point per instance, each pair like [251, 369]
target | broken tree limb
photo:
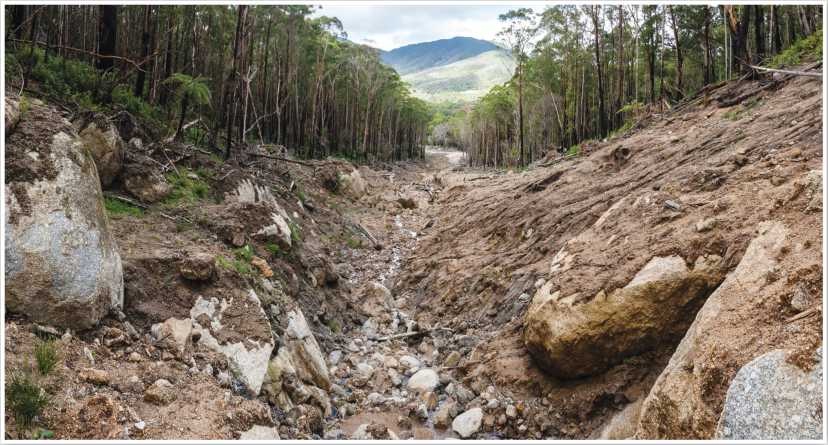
[411, 334]
[790, 72]
[279, 158]
[125, 199]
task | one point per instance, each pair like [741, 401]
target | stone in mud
[468, 423]
[423, 380]
[101, 138]
[144, 183]
[198, 266]
[305, 352]
[622, 425]
[238, 329]
[682, 404]
[571, 339]
[173, 334]
[12, 116]
[352, 184]
[161, 392]
[62, 265]
[444, 415]
[94, 376]
[771, 399]
[409, 362]
[259, 432]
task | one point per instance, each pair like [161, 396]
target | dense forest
[584, 72]
[222, 76]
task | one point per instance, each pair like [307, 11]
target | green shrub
[117, 208]
[804, 50]
[295, 232]
[46, 355]
[273, 248]
[185, 188]
[25, 398]
[239, 266]
[244, 253]
[573, 150]
[122, 95]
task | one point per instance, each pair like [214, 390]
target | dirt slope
[696, 181]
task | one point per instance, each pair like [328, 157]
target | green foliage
[803, 50]
[116, 208]
[46, 355]
[194, 89]
[295, 232]
[273, 248]
[43, 433]
[353, 243]
[244, 253]
[574, 150]
[187, 187]
[334, 326]
[25, 398]
[122, 95]
[239, 266]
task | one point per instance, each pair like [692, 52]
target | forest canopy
[232, 75]
[592, 71]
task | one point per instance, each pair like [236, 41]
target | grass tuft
[25, 399]
[117, 208]
[46, 354]
[187, 187]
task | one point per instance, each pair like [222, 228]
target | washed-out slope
[703, 180]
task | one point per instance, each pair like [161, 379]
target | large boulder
[304, 351]
[728, 331]
[573, 338]
[238, 329]
[62, 265]
[101, 138]
[771, 399]
[352, 184]
[145, 183]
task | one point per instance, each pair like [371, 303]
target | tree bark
[107, 33]
[145, 46]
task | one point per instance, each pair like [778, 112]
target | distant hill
[459, 69]
[464, 80]
[419, 56]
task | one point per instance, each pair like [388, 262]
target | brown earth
[461, 253]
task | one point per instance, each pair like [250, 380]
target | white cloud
[391, 26]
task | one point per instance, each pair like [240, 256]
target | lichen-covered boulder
[101, 138]
[62, 265]
[573, 337]
[771, 399]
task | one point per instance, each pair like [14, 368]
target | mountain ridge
[419, 56]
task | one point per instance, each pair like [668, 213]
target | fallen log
[789, 72]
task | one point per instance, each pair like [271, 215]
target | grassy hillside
[419, 56]
[464, 80]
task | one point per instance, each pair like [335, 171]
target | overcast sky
[391, 26]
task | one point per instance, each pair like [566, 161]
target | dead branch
[789, 72]
[125, 199]
[135, 64]
[279, 158]
[412, 334]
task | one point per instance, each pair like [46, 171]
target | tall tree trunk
[107, 33]
[168, 57]
[679, 56]
[231, 78]
[520, 110]
[145, 46]
[706, 44]
[18, 21]
[759, 32]
[776, 38]
[602, 116]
